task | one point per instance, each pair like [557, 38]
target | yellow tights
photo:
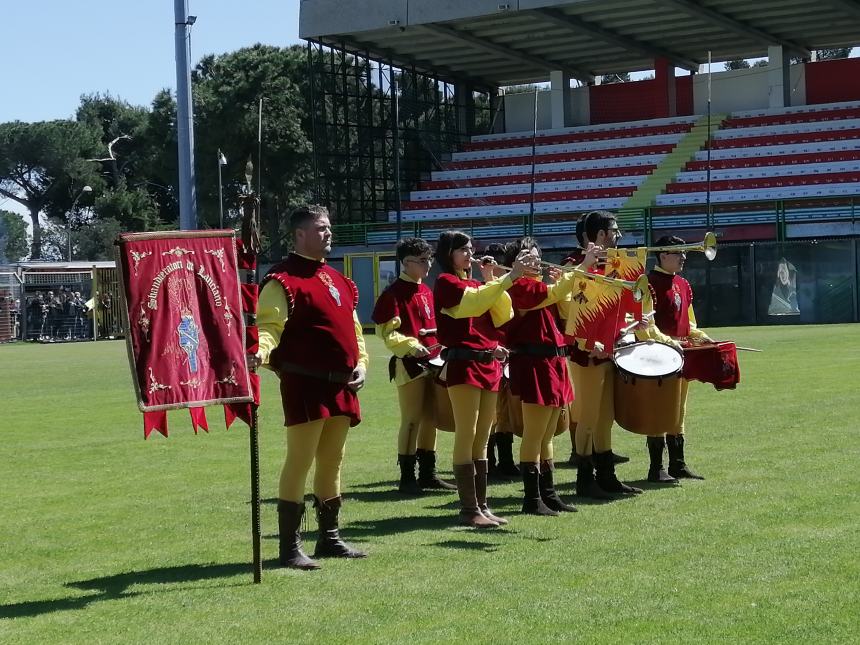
[539, 426]
[594, 386]
[322, 441]
[474, 410]
[417, 416]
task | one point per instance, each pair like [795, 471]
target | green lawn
[106, 537]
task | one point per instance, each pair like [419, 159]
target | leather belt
[332, 376]
[464, 354]
[543, 351]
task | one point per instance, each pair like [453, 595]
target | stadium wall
[745, 89]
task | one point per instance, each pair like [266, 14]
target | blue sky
[55, 50]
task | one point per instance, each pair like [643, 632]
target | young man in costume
[406, 322]
[673, 316]
[311, 338]
[593, 378]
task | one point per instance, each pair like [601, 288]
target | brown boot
[290, 552]
[329, 543]
[548, 493]
[481, 491]
[470, 514]
[427, 477]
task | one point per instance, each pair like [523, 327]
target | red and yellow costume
[406, 320]
[468, 314]
[540, 380]
[311, 338]
[674, 316]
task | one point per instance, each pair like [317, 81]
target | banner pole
[256, 531]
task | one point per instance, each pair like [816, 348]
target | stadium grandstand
[422, 122]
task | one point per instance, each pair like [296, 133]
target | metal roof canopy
[492, 43]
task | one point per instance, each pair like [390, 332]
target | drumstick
[426, 332]
[747, 349]
[692, 348]
[635, 323]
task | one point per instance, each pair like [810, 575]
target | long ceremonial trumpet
[638, 287]
[708, 246]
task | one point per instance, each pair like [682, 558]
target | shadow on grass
[485, 547]
[397, 525]
[644, 484]
[117, 586]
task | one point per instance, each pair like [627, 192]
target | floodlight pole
[531, 223]
[708, 167]
[185, 116]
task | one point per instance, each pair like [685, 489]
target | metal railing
[642, 222]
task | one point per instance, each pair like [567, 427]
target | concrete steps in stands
[673, 163]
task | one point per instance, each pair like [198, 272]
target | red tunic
[536, 379]
[476, 333]
[672, 299]
[319, 335]
[413, 304]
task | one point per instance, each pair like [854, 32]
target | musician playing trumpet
[467, 314]
[405, 320]
[674, 316]
[539, 376]
[593, 379]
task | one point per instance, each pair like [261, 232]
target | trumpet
[708, 246]
[637, 287]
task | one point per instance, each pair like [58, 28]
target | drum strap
[464, 354]
[543, 351]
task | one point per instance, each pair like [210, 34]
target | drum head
[648, 360]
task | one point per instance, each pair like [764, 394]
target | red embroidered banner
[185, 329]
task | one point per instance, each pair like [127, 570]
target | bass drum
[647, 387]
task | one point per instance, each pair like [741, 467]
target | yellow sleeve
[559, 293]
[363, 358]
[272, 313]
[398, 344]
[695, 332]
[477, 301]
[502, 309]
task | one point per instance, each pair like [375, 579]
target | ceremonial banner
[599, 310]
[627, 264]
[594, 314]
[185, 329]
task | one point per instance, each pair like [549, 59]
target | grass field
[108, 538]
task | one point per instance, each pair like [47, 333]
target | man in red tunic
[674, 316]
[311, 338]
[406, 322]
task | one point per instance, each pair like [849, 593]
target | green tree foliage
[44, 165]
[13, 237]
[227, 91]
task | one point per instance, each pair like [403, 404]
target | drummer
[406, 322]
[593, 384]
[674, 316]
[575, 259]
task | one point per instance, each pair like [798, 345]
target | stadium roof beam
[851, 6]
[506, 51]
[694, 8]
[404, 60]
[627, 43]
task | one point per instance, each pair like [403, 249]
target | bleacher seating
[575, 169]
[794, 153]
[781, 154]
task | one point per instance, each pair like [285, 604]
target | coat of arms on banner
[186, 341]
